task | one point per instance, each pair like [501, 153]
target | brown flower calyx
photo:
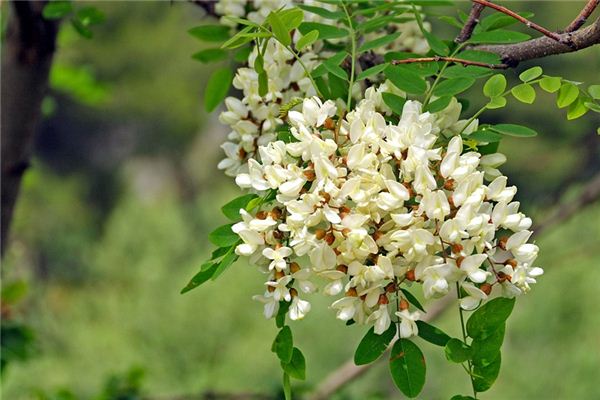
[310, 175]
[275, 213]
[261, 215]
[403, 305]
[449, 184]
[502, 242]
[352, 292]
[486, 288]
[293, 292]
[459, 261]
[329, 238]
[279, 274]
[329, 124]
[342, 268]
[294, 267]
[390, 287]
[457, 248]
[320, 234]
[410, 275]
[512, 262]
[383, 299]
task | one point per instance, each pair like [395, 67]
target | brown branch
[470, 24]
[583, 16]
[528, 23]
[450, 59]
[347, 372]
[512, 54]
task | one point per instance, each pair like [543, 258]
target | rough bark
[27, 53]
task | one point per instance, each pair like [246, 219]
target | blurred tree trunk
[27, 52]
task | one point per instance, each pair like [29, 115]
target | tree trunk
[29, 45]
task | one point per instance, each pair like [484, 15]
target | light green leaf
[530, 74]
[283, 345]
[291, 18]
[490, 316]
[210, 55]
[372, 71]
[592, 106]
[499, 36]
[567, 94]
[594, 91]
[407, 367]
[452, 87]
[496, 102]
[514, 130]
[495, 86]
[550, 83]
[307, 40]
[217, 88]
[372, 345]
[210, 33]
[57, 9]
[457, 351]
[432, 334]
[325, 31]
[232, 209]
[406, 80]
[577, 109]
[296, 368]
[524, 93]
[223, 236]
[323, 12]
[225, 262]
[279, 30]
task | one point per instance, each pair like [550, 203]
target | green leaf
[323, 12]
[496, 102]
[241, 21]
[514, 130]
[296, 368]
[412, 299]
[497, 20]
[461, 397]
[438, 46]
[550, 83]
[57, 9]
[457, 351]
[307, 40]
[232, 209]
[485, 351]
[432, 334]
[280, 31]
[225, 262]
[210, 55]
[489, 317]
[241, 38]
[90, 16]
[422, 69]
[284, 306]
[495, 86]
[13, 292]
[452, 87]
[485, 136]
[210, 33]
[485, 376]
[379, 42]
[291, 18]
[567, 94]
[242, 54]
[451, 21]
[223, 236]
[469, 71]
[406, 80]
[530, 74]
[481, 56]
[336, 70]
[439, 104]
[283, 345]
[83, 30]
[524, 93]
[407, 367]
[206, 272]
[594, 91]
[372, 71]
[325, 31]
[263, 83]
[372, 345]
[217, 88]
[395, 102]
[592, 106]
[499, 36]
[577, 109]
[287, 387]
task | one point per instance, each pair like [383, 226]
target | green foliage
[457, 351]
[232, 209]
[210, 55]
[217, 88]
[296, 368]
[432, 334]
[283, 345]
[495, 86]
[394, 102]
[499, 36]
[412, 299]
[210, 33]
[372, 345]
[406, 80]
[407, 367]
[514, 130]
[307, 40]
[489, 317]
[524, 93]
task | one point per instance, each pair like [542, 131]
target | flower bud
[294, 267]
[352, 292]
[293, 292]
[459, 261]
[390, 287]
[403, 305]
[410, 275]
[329, 238]
[382, 299]
[320, 233]
[329, 123]
[310, 175]
[261, 215]
[486, 288]
[342, 268]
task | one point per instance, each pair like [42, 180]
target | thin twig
[583, 16]
[470, 24]
[450, 59]
[528, 23]
[348, 371]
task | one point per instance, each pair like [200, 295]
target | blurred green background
[113, 217]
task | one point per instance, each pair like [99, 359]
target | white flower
[271, 305]
[435, 279]
[408, 325]
[281, 291]
[474, 296]
[470, 266]
[298, 308]
[346, 307]
[278, 256]
[381, 319]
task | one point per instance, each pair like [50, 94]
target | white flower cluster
[365, 206]
[254, 118]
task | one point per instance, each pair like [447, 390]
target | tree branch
[470, 24]
[348, 371]
[450, 59]
[583, 16]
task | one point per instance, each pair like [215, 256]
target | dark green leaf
[338, 87]
[530, 74]
[225, 262]
[14, 291]
[407, 366]
[485, 376]
[422, 69]
[461, 397]
[567, 94]
[406, 80]
[372, 71]
[223, 236]
[485, 351]
[57, 9]
[90, 16]
[495, 86]
[451, 21]
[452, 87]
[283, 345]
[499, 36]
[242, 54]
[489, 317]
[296, 368]
[438, 105]
[210, 55]
[210, 33]
[372, 345]
[496, 21]
[438, 46]
[480, 56]
[514, 130]
[380, 41]
[550, 83]
[457, 351]
[336, 70]
[206, 272]
[284, 306]
[484, 136]
[395, 102]
[412, 299]
[217, 88]
[280, 31]
[81, 29]
[323, 12]
[263, 83]
[432, 334]
[524, 93]
[244, 36]
[307, 40]
[232, 209]
[325, 31]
